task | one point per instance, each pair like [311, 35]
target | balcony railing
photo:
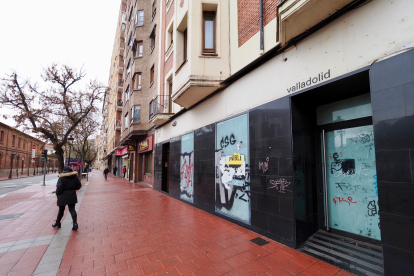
[120, 83]
[160, 105]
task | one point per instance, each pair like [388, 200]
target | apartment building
[112, 109]
[293, 119]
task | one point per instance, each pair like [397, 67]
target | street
[11, 185]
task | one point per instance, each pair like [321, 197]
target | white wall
[355, 40]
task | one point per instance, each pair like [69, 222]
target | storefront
[313, 149]
[145, 156]
[123, 157]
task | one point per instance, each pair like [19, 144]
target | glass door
[350, 181]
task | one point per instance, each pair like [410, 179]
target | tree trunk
[61, 163]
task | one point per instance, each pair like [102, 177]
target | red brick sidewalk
[128, 230]
[26, 216]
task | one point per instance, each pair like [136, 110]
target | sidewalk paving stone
[125, 229]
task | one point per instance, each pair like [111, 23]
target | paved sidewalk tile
[26, 237]
[125, 229]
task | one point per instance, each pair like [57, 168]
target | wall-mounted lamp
[174, 123]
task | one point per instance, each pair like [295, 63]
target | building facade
[294, 120]
[16, 152]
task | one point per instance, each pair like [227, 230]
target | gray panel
[394, 71]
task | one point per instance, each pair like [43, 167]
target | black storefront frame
[393, 76]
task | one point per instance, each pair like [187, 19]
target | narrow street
[127, 229]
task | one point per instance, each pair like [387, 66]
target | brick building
[19, 143]
[290, 118]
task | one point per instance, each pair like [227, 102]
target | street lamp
[11, 165]
[70, 140]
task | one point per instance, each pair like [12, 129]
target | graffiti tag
[338, 199]
[225, 141]
[280, 185]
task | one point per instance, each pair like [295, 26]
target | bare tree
[54, 112]
[84, 146]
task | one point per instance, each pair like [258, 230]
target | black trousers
[72, 212]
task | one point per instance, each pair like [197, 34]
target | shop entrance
[165, 184]
[349, 174]
[335, 189]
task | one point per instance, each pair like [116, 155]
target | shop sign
[123, 151]
[131, 148]
[145, 145]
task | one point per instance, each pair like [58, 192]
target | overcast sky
[35, 33]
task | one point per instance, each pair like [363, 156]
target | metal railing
[160, 105]
[118, 123]
[120, 82]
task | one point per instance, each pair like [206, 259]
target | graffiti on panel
[232, 168]
[187, 167]
[352, 181]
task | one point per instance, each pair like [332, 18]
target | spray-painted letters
[187, 167]
[232, 169]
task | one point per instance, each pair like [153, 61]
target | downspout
[261, 29]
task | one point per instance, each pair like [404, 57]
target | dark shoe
[75, 226]
[56, 225]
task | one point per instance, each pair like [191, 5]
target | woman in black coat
[66, 188]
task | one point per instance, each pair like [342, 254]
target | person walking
[124, 170]
[115, 169]
[106, 171]
[66, 187]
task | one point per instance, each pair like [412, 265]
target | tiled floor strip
[49, 265]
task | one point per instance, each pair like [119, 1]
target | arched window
[1, 159]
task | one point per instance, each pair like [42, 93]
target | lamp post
[11, 165]
[70, 140]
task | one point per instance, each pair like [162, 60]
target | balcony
[119, 104]
[117, 143]
[160, 109]
[118, 124]
[121, 66]
[194, 89]
[120, 85]
[298, 16]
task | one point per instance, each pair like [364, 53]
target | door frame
[365, 121]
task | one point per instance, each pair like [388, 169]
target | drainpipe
[261, 28]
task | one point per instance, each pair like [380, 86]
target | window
[130, 14]
[185, 46]
[148, 162]
[170, 37]
[139, 21]
[128, 66]
[24, 144]
[136, 82]
[1, 136]
[18, 142]
[140, 49]
[152, 75]
[136, 114]
[123, 25]
[127, 94]
[126, 120]
[152, 40]
[209, 33]
[130, 41]
[154, 9]
[13, 140]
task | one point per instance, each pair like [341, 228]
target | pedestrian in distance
[115, 169]
[66, 187]
[106, 171]
[124, 170]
